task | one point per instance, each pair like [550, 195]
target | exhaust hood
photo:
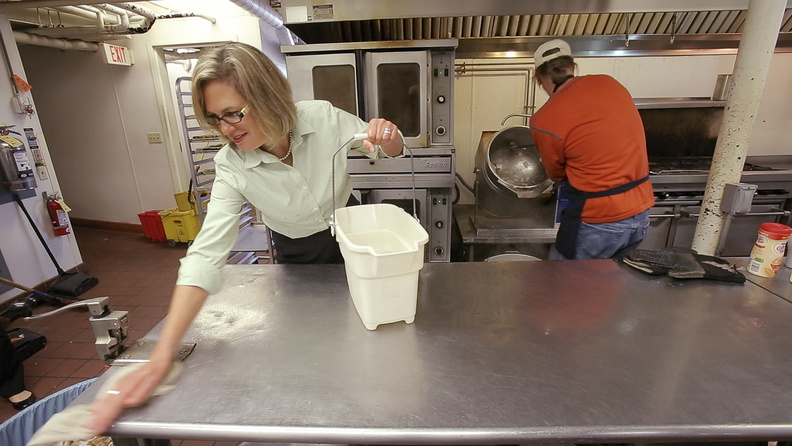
[495, 26]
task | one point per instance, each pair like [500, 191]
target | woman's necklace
[290, 147]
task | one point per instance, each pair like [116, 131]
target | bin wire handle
[358, 137]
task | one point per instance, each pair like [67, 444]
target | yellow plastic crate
[183, 201]
[180, 226]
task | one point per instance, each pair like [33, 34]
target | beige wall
[26, 259]
[97, 116]
[91, 124]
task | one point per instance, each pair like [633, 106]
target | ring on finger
[112, 392]
[387, 131]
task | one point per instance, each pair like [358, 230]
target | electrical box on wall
[38, 158]
[16, 169]
[737, 198]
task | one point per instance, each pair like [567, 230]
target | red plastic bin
[152, 225]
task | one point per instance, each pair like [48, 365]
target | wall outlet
[37, 158]
[154, 137]
[42, 172]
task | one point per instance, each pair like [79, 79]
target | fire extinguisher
[60, 223]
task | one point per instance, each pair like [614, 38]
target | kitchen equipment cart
[499, 353]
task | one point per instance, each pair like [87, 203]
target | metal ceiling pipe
[138, 10]
[178, 15]
[270, 17]
[122, 15]
[86, 12]
[62, 44]
[100, 16]
[754, 54]
[124, 28]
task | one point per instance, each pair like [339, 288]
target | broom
[39, 296]
[24, 307]
[69, 284]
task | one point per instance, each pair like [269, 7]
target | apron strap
[608, 192]
[566, 238]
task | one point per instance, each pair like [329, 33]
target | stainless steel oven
[408, 82]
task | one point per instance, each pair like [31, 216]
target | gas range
[687, 176]
[697, 165]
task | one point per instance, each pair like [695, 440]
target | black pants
[12, 375]
[321, 247]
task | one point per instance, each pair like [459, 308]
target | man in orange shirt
[591, 138]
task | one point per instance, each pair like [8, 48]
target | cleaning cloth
[661, 261]
[682, 263]
[68, 424]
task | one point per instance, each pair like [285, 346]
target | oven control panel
[433, 208]
[439, 226]
[441, 98]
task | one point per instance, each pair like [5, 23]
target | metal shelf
[254, 241]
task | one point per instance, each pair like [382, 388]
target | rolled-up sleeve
[203, 264]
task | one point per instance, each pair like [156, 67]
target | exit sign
[117, 55]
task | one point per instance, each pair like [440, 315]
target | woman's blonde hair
[256, 79]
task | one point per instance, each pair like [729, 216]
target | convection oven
[409, 83]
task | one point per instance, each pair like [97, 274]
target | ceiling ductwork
[61, 44]
[270, 17]
[79, 25]
[125, 19]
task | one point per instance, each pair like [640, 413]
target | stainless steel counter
[500, 353]
[779, 285]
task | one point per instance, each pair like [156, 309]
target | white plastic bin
[383, 251]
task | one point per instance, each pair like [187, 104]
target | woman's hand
[131, 391]
[385, 134]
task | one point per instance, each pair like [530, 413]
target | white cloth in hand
[68, 424]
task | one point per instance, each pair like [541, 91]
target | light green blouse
[295, 200]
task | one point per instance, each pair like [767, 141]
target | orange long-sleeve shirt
[590, 133]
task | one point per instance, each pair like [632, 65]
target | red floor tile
[135, 274]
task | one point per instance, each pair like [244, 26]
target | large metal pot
[508, 170]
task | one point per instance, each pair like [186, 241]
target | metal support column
[759, 36]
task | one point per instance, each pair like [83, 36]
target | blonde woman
[279, 158]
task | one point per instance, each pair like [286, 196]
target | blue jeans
[609, 240]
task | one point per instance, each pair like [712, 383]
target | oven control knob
[439, 224]
[440, 130]
[440, 99]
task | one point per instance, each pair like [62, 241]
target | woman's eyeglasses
[229, 118]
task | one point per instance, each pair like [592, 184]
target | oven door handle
[665, 215]
[763, 214]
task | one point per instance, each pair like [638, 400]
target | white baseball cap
[551, 50]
